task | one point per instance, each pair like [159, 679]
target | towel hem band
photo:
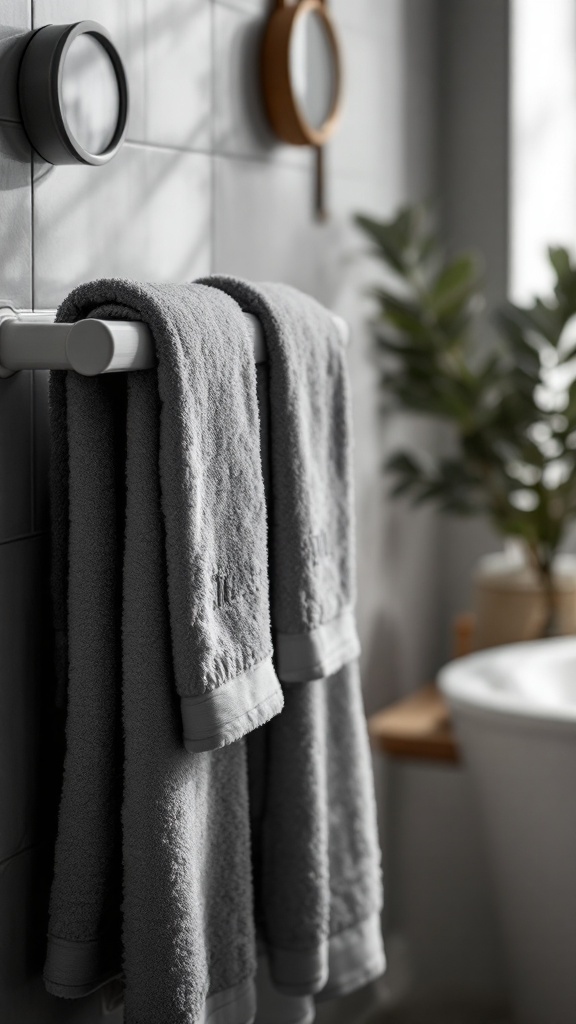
[76, 968]
[340, 964]
[232, 710]
[235, 1005]
[318, 653]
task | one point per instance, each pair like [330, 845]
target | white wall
[542, 141]
[441, 914]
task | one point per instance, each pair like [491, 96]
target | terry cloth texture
[212, 503]
[316, 854]
[139, 459]
[312, 576]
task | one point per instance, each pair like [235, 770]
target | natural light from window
[543, 140]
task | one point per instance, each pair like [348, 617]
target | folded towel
[316, 860]
[186, 577]
[311, 516]
[318, 881]
[212, 503]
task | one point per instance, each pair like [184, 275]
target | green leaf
[405, 241]
[385, 240]
[430, 363]
[454, 285]
[404, 315]
[402, 462]
[560, 260]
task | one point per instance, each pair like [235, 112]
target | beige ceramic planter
[510, 603]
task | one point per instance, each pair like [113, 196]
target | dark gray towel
[317, 859]
[180, 468]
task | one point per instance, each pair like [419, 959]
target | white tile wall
[255, 6]
[240, 124]
[178, 70]
[144, 215]
[14, 18]
[15, 216]
[279, 243]
[200, 185]
[371, 137]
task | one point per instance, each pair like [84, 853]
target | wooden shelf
[417, 727]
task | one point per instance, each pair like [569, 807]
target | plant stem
[542, 562]
[547, 578]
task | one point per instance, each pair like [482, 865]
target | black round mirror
[73, 94]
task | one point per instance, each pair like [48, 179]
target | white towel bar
[32, 341]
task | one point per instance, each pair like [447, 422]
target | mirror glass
[89, 94]
[312, 68]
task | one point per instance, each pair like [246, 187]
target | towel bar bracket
[9, 315]
[31, 341]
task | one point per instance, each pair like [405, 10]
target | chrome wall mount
[71, 75]
[32, 341]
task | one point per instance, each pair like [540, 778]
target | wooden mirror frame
[286, 117]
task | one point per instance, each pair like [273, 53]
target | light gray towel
[312, 577]
[186, 481]
[317, 859]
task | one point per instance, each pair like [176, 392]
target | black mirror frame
[40, 98]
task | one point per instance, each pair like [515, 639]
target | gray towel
[192, 600]
[212, 503]
[317, 860]
[311, 515]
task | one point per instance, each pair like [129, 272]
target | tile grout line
[212, 138]
[32, 295]
[32, 450]
[144, 68]
[22, 537]
[32, 468]
[19, 853]
[32, 245]
[258, 158]
[246, 157]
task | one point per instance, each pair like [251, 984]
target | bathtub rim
[463, 685]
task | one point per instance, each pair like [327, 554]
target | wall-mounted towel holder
[32, 341]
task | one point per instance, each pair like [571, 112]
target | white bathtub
[515, 714]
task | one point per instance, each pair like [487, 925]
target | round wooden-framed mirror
[302, 76]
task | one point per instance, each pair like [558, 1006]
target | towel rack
[32, 341]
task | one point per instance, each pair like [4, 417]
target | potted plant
[511, 404]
